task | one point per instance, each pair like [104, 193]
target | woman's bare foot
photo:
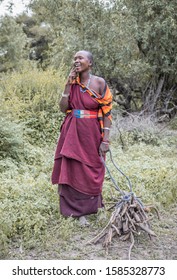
[83, 221]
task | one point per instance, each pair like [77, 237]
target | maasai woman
[78, 169]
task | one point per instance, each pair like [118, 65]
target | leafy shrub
[11, 139]
[43, 128]
[137, 136]
[32, 96]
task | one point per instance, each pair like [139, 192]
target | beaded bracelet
[64, 95]
[105, 142]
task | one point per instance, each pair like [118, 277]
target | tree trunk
[160, 97]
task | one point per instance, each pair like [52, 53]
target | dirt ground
[162, 247]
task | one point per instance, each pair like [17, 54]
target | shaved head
[88, 54]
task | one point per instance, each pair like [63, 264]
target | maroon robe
[77, 166]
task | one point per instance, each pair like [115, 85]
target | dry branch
[128, 219]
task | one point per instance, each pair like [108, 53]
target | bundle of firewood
[128, 219]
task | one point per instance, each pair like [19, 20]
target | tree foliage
[104, 30]
[12, 44]
[156, 38]
[156, 25]
[89, 25]
[38, 34]
[134, 45]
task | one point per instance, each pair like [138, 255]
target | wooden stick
[145, 228]
[132, 244]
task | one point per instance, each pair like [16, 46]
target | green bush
[43, 128]
[137, 136]
[11, 139]
[31, 96]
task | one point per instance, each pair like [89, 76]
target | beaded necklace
[89, 79]
[87, 85]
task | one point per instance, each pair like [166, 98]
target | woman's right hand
[72, 76]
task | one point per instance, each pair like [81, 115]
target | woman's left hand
[104, 148]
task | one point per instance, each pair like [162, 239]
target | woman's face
[81, 62]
